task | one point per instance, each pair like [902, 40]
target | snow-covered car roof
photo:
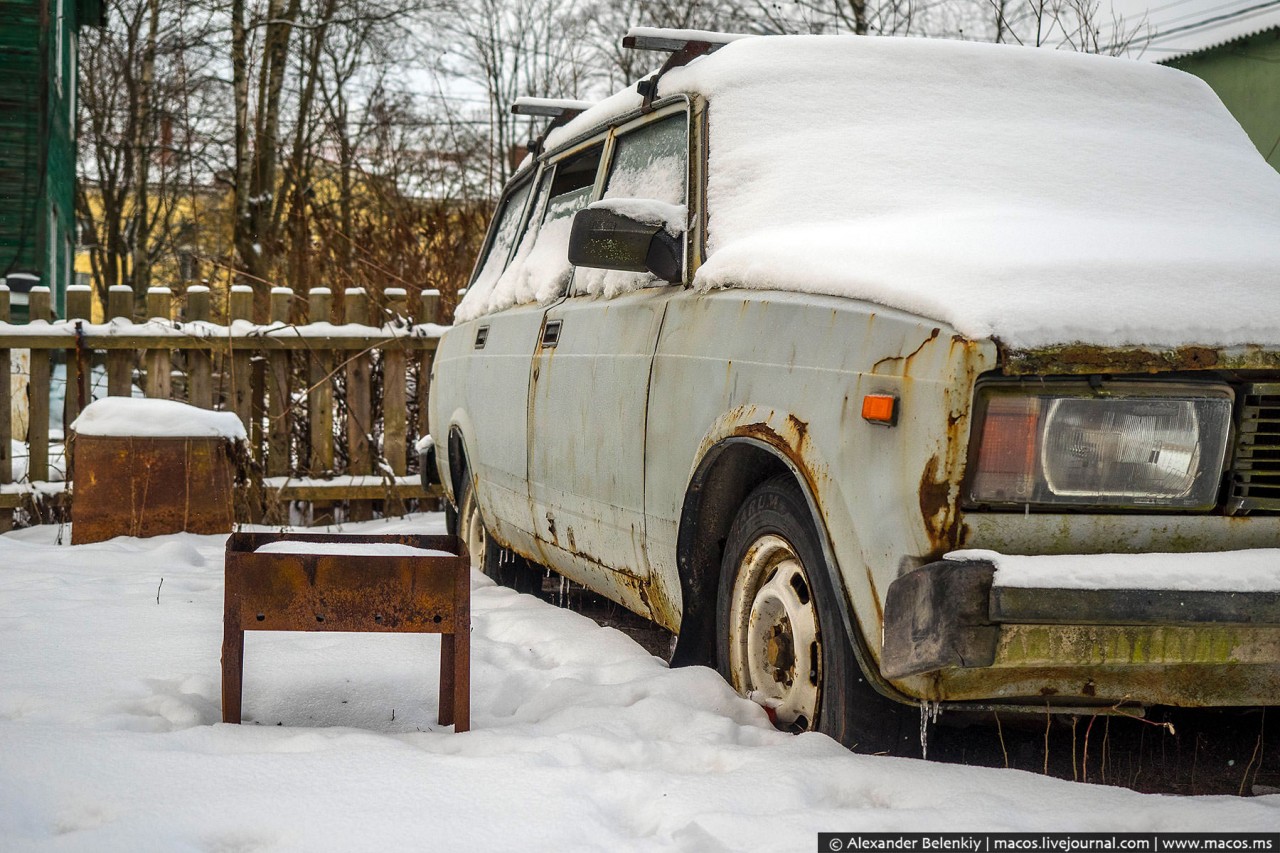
[1034, 196]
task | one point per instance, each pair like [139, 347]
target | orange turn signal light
[880, 409]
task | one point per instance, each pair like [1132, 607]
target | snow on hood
[1035, 196]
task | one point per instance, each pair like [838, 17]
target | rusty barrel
[150, 484]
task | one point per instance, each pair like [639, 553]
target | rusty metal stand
[330, 592]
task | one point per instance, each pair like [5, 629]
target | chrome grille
[1255, 473]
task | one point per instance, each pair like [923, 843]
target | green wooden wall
[39, 70]
[1246, 76]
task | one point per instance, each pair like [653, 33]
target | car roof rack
[560, 110]
[684, 46]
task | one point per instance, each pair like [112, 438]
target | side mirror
[632, 235]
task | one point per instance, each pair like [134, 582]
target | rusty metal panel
[130, 486]
[372, 593]
[333, 593]
[1188, 666]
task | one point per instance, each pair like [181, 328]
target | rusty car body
[617, 435]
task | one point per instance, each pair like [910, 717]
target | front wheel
[782, 641]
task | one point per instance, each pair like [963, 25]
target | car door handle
[482, 335]
[551, 333]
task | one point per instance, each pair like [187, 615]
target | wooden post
[397, 310]
[429, 311]
[320, 397]
[394, 382]
[359, 420]
[241, 308]
[429, 307]
[257, 406]
[120, 361]
[199, 365]
[278, 461]
[6, 410]
[357, 305]
[359, 401]
[41, 307]
[159, 365]
[79, 307]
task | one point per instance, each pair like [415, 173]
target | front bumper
[975, 637]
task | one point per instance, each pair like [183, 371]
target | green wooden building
[1241, 62]
[38, 72]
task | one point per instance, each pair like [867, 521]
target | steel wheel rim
[473, 531]
[775, 654]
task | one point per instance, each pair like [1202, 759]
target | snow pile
[647, 210]
[131, 416]
[348, 549]
[1037, 196]
[540, 270]
[109, 720]
[1256, 570]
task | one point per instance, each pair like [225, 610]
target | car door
[493, 353]
[589, 386]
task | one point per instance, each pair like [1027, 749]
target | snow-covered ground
[110, 736]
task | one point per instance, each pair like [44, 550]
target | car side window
[650, 162]
[506, 225]
[540, 269]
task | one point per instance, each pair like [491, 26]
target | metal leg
[232, 667]
[448, 669]
[462, 678]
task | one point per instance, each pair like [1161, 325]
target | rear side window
[506, 224]
[540, 269]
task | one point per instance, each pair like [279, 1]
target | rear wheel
[782, 640]
[471, 525]
[502, 564]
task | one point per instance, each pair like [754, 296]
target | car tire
[470, 525]
[498, 562]
[781, 637]
[450, 519]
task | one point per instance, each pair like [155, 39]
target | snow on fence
[331, 409]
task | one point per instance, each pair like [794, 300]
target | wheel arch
[456, 459]
[724, 477]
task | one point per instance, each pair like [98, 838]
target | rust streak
[801, 428]
[933, 336]
[936, 508]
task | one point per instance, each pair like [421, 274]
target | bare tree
[146, 98]
[536, 48]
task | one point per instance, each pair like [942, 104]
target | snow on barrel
[149, 467]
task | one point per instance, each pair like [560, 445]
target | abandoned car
[889, 373]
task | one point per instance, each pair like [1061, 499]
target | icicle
[929, 713]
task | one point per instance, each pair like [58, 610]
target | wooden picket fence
[332, 409]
